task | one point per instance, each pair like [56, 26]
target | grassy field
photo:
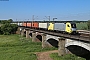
[66, 57]
[14, 47]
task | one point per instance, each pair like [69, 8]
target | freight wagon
[43, 26]
[35, 25]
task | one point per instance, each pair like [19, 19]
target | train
[66, 27]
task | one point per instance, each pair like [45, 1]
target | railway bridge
[76, 44]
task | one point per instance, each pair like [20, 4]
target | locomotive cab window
[73, 25]
[68, 25]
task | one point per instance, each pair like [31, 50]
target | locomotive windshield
[73, 25]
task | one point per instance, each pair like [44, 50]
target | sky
[42, 9]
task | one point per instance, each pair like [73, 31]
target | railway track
[84, 33]
[78, 37]
[82, 36]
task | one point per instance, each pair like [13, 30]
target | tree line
[6, 28]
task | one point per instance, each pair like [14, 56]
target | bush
[84, 28]
[8, 28]
[14, 28]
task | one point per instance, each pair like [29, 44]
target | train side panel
[24, 24]
[29, 24]
[59, 26]
[35, 25]
[19, 24]
[43, 25]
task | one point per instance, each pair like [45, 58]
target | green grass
[66, 57]
[82, 26]
[15, 47]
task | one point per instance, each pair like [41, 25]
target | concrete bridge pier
[27, 33]
[61, 47]
[33, 36]
[22, 33]
[44, 42]
[18, 31]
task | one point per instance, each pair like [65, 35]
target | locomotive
[68, 27]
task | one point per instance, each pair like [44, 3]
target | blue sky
[60, 9]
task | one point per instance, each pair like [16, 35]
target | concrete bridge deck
[68, 36]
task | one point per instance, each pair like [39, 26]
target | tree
[8, 28]
[6, 21]
[10, 20]
[3, 21]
